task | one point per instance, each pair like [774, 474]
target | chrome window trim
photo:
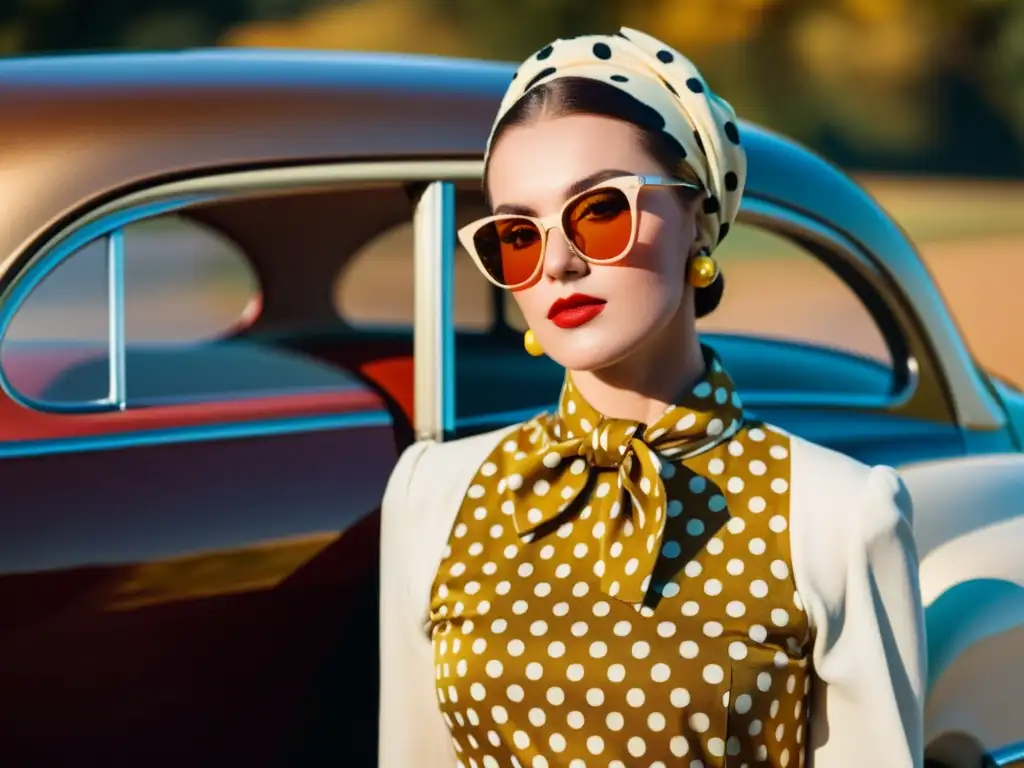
[292, 425]
[908, 284]
[779, 220]
[116, 376]
[311, 177]
[50, 257]
[975, 406]
[107, 220]
[434, 327]
[946, 366]
[1009, 756]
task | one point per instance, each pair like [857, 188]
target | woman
[644, 576]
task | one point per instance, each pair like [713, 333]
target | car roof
[78, 129]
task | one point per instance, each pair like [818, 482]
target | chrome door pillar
[434, 331]
[116, 338]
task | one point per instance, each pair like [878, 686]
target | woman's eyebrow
[580, 185]
[518, 210]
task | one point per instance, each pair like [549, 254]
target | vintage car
[230, 295]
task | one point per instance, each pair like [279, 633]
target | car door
[193, 448]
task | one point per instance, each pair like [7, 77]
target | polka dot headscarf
[663, 79]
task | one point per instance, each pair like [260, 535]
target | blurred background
[921, 100]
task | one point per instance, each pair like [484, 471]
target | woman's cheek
[532, 305]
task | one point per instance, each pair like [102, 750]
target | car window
[190, 296]
[62, 325]
[777, 290]
[184, 283]
[970, 235]
[376, 287]
[787, 325]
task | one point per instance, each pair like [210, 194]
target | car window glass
[787, 325]
[62, 325]
[970, 235]
[376, 287]
[183, 282]
[188, 292]
[777, 290]
[190, 296]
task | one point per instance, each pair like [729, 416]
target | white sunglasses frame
[630, 186]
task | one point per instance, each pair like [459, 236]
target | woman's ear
[693, 209]
[697, 201]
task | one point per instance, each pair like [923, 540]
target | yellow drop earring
[531, 345]
[702, 270]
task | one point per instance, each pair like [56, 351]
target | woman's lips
[575, 310]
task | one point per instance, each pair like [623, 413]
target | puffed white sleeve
[856, 570]
[412, 731]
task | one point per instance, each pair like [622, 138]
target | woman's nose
[560, 260]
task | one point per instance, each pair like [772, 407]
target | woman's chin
[591, 352]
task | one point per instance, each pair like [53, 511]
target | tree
[404, 26]
[1002, 65]
[512, 30]
[40, 26]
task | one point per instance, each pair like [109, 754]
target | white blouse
[854, 564]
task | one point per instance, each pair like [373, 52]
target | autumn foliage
[872, 72]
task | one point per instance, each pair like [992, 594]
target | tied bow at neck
[622, 465]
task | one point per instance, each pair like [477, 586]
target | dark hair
[584, 96]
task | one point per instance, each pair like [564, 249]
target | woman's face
[645, 296]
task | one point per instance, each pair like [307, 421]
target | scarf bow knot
[610, 444]
[581, 465]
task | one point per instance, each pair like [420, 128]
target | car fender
[969, 529]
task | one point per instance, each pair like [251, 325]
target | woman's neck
[641, 386]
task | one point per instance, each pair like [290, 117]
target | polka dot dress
[699, 661]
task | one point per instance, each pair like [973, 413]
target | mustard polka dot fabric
[619, 594]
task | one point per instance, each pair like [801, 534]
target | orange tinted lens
[600, 223]
[509, 249]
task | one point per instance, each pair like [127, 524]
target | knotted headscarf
[661, 78]
[625, 465]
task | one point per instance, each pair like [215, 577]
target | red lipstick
[573, 311]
